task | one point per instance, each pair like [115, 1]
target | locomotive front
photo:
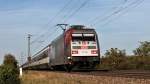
[82, 47]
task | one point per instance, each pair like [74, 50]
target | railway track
[127, 74]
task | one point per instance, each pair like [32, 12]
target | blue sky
[123, 30]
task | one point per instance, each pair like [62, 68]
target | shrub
[9, 71]
[9, 75]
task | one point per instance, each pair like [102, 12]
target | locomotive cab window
[77, 37]
[88, 37]
[83, 37]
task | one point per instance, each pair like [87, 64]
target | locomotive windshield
[83, 37]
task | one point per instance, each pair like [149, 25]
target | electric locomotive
[76, 48]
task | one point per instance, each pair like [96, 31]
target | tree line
[116, 59]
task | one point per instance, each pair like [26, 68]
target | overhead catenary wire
[52, 34]
[119, 15]
[42, 35]
[70, 9]
[51, 20]
[82, 5]
[49, 35]
[107, 13]
[76, 11]
[113, 13]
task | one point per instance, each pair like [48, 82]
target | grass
[39, 77]
[50, 78]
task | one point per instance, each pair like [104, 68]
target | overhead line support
[29, 47]
[62, 26]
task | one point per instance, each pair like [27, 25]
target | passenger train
[76, 48]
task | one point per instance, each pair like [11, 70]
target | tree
[9, 71]
[9, 75]
[142, 54]
[143, 49]
[115, 58]
[10, 60]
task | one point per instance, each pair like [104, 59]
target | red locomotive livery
[76, 48]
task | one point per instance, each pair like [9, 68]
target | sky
[119, 23]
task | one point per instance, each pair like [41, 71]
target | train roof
[80, 29]
[77, 27]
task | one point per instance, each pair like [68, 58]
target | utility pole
[62, 26]
[29, 52]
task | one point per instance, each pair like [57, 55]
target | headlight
[69, 57]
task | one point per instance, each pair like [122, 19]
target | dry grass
[34, 77]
